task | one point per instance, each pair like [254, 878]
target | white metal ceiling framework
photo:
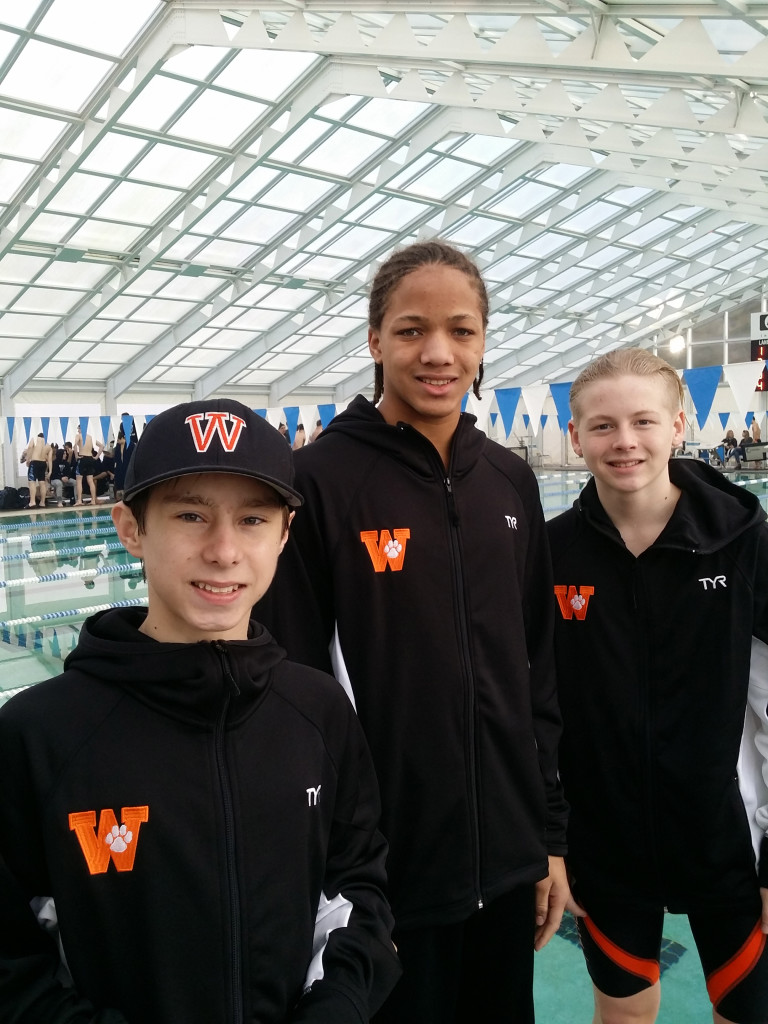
[193, 198]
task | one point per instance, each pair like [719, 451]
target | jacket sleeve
[298, 607]
[538, 607]
[758, 700]
[354, 965]
[31, 987]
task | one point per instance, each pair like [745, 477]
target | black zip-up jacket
[433, 590]
[201, 820]
[653, 657]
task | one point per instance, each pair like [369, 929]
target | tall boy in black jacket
[191, 816]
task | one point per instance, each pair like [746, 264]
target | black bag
[10, 498]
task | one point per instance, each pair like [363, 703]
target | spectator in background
[36, 456]
[755, 431]
[86, 455]
[300, 439]
[317, 431]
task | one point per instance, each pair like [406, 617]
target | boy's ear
[127, 528]
[284, 541]
[679, 426]
[574, 437]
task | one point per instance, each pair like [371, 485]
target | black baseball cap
[216, 435]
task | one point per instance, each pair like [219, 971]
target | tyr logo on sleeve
[572, 602]
[384, 550]
[117, 842]
[216, 420]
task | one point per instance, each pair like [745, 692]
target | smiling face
[210, 546]
[625, 428]
[430, 344]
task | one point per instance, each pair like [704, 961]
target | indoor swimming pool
[59, 566]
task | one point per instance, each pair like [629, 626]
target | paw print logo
[117, 839]
[393, 548]
[577, 602]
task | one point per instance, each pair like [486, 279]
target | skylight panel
[343, 152]
[217, 119]
[7, 295]
[288, 299]
[587, 219]
[20, 12]
[259, 224]
[357, 242]
[106, 236]
[394, 214]
[320, 268]
[642, 235]
[198, 289]
[388, 117]
[157, 103]
[256, 319]
[225, 254]
[113, 153]
[13, 173]
[254, 182]
[266, 74]
[27, 325]
[79, 193]
[548, 242]
[141, 204]
[299, 141]
[443, 178]
[475, 231]
[522, 200]
[7, 42]
[104, 25]
[172, 165]
[47, 300]
[48, 227]
[138, 330]
[563, 174]
[27, 135]
[70, 78]
[511, 266]
[296, 192]
[196, 62]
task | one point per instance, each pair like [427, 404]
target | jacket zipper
[647, 712]
[469, 676]
[233, 887]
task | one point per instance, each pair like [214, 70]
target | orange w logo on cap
[216, 420]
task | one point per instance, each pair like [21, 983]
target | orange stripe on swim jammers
[642, 968]
[726, 978]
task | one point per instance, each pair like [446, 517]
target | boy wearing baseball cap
[192, 818]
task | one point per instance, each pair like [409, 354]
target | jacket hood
[362, 420]
[187, 681]
[710, 513]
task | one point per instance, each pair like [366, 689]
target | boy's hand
[764, 923]
[552, 894]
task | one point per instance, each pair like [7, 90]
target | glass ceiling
[193, 197]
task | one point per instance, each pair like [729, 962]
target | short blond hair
[624, 362]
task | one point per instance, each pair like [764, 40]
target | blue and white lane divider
[132, 568]
[83, 549]
[49, 616]
[31, 538]
[52, 524]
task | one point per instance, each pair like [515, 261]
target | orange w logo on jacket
[384, 549]
[573, 602]
[111, 840]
